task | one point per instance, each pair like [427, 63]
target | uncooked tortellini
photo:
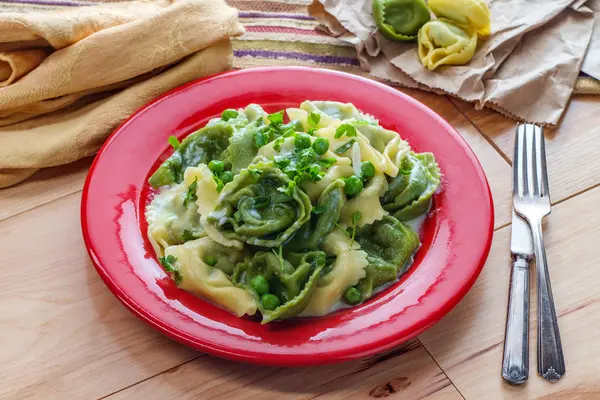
[467, 14]
[441, 43]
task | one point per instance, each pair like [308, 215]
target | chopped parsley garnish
[281, 162]
[342, 229]
[276, 118]
[327, 162]
[289, 190]
[313, 119]
[261, 138]
[229, 114]
[174, 142]
[345, 147]
[345, 129]
[355, 218]
[167, 264]
[278, 142]
[405, 171]
[219, 182]
[191, 195]
[187, 235]
[255, 173]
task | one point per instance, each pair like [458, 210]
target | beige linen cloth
[68, 78]
[527, 68]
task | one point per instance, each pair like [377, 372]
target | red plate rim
[451, 289]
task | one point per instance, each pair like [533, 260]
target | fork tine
[525, 163]
[538, 165]
[536, 161]
[529, 164]
[545, 190]
[519, 177]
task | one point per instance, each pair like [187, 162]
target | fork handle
[515, 364]
[551, 361]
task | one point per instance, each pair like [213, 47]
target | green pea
[216, 166]
[302, 141]
[211, 260]
[270, 301]
[229, 114]
[352, 296]
[353, 185]
[367, 169]
[320, 146]
[226, 177]
[260, 285]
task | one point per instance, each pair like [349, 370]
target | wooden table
[64, 336]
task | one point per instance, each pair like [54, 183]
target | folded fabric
[526, 69]
[68, 78]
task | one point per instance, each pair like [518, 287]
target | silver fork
[531, 200]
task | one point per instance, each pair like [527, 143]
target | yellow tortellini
[467, 14]
[170, 217]
[206, 190]
[211, 282]
[394, 152]
[367, 202]
[441, 43]
[348, 269]
[314, 189]
[218, 237]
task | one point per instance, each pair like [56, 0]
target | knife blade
[515, 363]
[521, 242]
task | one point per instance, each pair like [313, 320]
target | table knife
[515, 364]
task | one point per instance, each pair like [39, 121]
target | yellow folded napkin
[69, 78]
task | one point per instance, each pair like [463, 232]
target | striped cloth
[278, 32]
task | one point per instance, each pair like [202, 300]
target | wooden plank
[46, 185]
[63, 335]
[496, 168]
[407, 372]
[572, 149]
[468, 342]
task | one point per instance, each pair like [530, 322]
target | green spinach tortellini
[290, 217]
[409, 194]
[400, 20]
[292, 279]
[389, 245]
[200, 147]
[254, 207]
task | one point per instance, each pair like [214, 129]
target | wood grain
[468, 342]
[63, 334]
[44, 186]
[572, 149]
[407, 372]
[497, 169]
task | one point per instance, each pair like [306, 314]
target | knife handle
[515, 364]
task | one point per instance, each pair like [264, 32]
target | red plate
[456, 237]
